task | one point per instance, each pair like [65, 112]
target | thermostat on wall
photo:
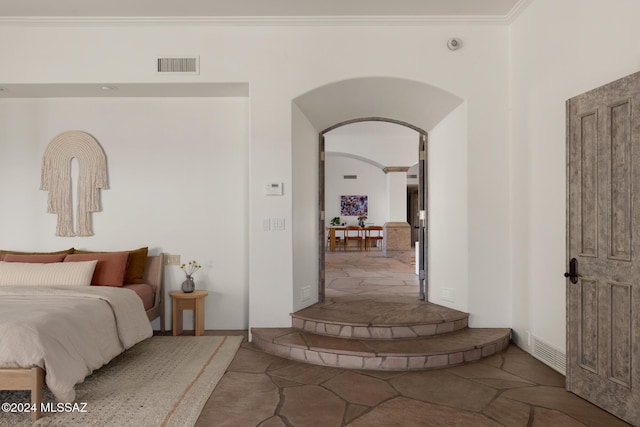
[274, 189]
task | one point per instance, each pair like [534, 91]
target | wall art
[56, 179]
[354, 206]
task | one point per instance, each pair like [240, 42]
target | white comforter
[68, 331]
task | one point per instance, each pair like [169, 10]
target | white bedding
[68, 331]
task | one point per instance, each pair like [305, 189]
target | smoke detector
[454, 44]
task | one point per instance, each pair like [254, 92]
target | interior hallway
[507, 389]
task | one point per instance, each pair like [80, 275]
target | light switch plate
[172, 260]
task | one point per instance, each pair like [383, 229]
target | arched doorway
[422, 200]
[405, 101]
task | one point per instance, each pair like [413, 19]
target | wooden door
[413, 214]
[603, 235]
[423, 280]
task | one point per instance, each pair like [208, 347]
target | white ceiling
[258, 8]
[408, 101]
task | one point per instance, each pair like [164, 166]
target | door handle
[573, 271]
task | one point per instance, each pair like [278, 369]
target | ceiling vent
[350, 176]
[185, 64]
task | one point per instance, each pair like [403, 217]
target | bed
[65, 349]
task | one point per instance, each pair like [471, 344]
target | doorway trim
[422, 201]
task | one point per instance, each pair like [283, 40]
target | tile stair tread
[350, 321]
[407, 318]
[462, 340]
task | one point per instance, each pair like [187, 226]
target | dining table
[332, 235]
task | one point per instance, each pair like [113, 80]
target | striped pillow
[53, 274]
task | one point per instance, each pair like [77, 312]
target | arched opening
[402, 236]
[407, 103]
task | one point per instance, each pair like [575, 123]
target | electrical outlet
[447, 294]
[172, 260]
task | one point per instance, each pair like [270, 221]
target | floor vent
[183, 64]
[350, 176]
[550, 355]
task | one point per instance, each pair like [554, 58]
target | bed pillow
[42, 259]
[4, 252]
[109, 270]
[137, 263]
[48, 274]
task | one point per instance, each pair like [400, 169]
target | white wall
[558, 50]
[371, 182]
[306, 215]
[169, 163]
[397, 196]
[281, 63]
[448, 232]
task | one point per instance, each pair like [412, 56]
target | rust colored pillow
[136, 265]
[5, 252]
[109, 270]
[42, 259]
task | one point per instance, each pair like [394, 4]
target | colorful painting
[354, 206]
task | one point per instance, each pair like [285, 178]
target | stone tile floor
[370, 273]
[510, 388]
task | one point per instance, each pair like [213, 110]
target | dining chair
[373, 233]
[338, 240]
[354, 232]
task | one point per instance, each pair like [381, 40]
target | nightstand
[191, 301]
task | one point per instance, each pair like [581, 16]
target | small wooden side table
[191, 301]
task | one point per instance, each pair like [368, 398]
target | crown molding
[263, 20]
[516, 10]
[284, 20]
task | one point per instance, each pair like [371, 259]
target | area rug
[163, 381]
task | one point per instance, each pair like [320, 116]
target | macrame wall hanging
[56, 178]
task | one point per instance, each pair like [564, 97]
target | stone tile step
[391, 317]
[379, 331]
[440, 351]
